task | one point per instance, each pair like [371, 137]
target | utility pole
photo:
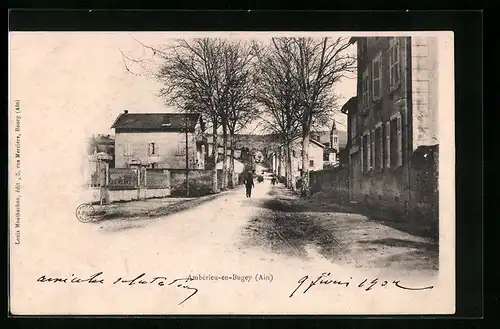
[187, 154]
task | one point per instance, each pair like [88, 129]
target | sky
[83, 73]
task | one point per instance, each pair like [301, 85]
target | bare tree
[316, 66]
[276, 92]
[210, 76]
[240, 109]
[190, 72]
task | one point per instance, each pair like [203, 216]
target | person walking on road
[249, 184]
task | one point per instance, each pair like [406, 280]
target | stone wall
[334, 182]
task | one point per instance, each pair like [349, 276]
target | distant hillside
[258, 142]
[269, 141]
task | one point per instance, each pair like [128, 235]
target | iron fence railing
[122, 178]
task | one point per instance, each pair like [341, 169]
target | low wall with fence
[109, 185]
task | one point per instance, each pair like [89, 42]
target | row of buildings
[169, 141]
[327, 148]
[161, 140]
[392, 122]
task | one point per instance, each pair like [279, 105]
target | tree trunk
[305, 190]
[231, 162]
[285, 164]
[291, 178]
[214, 158]
[224, 156]
[278, 158]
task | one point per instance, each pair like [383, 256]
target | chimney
[126, 111]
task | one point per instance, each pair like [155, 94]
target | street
[275, 238]
[273, 226]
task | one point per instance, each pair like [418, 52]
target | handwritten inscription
[304, 284]
[367, 284]
[142, 279]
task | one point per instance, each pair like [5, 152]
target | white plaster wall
[166, 144]
[424, 91]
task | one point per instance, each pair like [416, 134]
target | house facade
[158, 140]
[316, 153]
[393, 116]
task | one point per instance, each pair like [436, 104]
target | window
[377, 77]
[394, 64]
[294, 153]
[365, 91]
[151, 149]
[311, 163]
[378, 146]
[366, 153]
[394, 154]
[127, 149]
[335, 140]
[166, 121]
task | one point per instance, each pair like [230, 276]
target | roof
[349, 105]
[317, 143]
[329, 149]
[147, 121]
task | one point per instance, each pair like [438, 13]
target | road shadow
[422, 246]
[406, 223]
[410, 223]
[289, 225]
[288, 233]
[287, 201]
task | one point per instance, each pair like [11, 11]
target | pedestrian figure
[273, 180]
[249, 184]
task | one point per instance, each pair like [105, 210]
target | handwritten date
[366, 284]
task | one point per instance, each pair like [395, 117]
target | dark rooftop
[349, 105]
[167, 121]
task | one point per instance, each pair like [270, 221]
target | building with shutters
[159, 140]
[393, 116]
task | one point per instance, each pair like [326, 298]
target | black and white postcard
[161, 173]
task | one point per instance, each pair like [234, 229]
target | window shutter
[369, 152]
[388, 144]
[362, 154]
[398, 64]
[372, 151]
[399, 141]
